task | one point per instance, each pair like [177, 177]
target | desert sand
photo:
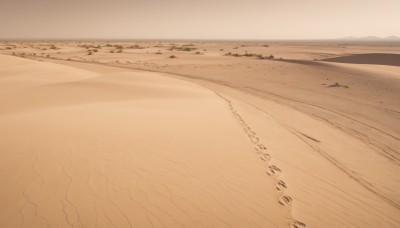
[199, 134]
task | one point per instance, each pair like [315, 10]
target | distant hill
[371, 38]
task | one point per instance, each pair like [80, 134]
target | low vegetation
[135, 47]
[183, 48]
[259, 56]
[338, 85]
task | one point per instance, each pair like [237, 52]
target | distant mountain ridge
[371, 38]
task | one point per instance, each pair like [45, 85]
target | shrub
[182, 48]
[137, 47]
[172, 57]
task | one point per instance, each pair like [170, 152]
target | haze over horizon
[178, 19]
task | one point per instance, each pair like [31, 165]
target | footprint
[273, 170]
[297, 224]
[261, 146]
[265, 157]
[254, 138]
[281, 185]
[285, 200]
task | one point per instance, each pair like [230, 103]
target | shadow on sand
[371, 58]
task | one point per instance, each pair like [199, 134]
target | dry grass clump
[183, 48]
[172, 57]
[136, 46]
[259, 56]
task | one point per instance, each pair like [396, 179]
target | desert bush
[270, 57]
[135, 47]
[172, 57]
[182, 48]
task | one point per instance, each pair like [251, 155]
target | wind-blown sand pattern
[310, 138]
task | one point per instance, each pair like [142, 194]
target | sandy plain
[199, 134]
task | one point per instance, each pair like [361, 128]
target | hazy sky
[202, 19]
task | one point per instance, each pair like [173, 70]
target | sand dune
[114, 139]
[127, 149]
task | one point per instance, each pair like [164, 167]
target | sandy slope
[126, 149]
[333, 150]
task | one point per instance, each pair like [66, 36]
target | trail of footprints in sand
[272, 170]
